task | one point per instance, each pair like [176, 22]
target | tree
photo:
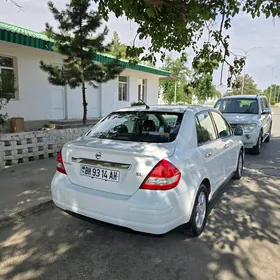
[179, 73]
[117, 48]
[273, 93]
[177, 25]
[78, 43]
[250, 87]
[203, 89]
[7, 90]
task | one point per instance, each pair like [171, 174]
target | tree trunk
[84, 102]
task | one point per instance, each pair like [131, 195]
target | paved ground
[25, 186]
[241, 240]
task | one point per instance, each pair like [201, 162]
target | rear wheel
[257, 148]
[239, 168]
[199, 214]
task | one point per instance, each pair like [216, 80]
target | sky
[261, 34]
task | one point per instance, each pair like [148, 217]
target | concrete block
[27, 146]
[2, 163]
[25, 159]
[14, 161]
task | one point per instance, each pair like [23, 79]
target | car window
[200, 140]
[266, 102]
[138, 126]
[224, 129]
[263, 105]
[205, 129]
[238, 105]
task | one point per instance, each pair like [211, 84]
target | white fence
[28, 146]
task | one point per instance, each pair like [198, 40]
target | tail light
[59, 163]
[164, 176]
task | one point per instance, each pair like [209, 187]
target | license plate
[100, 173]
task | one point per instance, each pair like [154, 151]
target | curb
[4, 221]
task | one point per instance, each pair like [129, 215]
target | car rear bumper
[152, 212]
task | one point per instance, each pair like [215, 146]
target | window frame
[127, 89]
[14, 69]
[213, 120]
[143, 90]
[214, 126]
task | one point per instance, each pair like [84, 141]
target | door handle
[227, 145]
[207, 155]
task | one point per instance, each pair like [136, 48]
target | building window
[142, 90]
[123, 88]
[7, 74]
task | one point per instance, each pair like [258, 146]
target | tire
[267, 139]
[239, 168]
[257, 148]
[195, 226]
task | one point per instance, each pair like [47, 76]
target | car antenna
[147, 106]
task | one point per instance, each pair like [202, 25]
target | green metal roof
[22, 36]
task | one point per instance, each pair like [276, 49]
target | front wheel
[257, 148]
[199, 214]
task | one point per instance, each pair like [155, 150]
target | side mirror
[266, 111]
[238, 131]
[223, 134]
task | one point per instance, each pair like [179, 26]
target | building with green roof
[36, 99]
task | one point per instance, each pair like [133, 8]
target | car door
[210, 148]
[263, 117]
[230, 146]
[267, 118]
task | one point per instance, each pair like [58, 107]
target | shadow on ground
[25, 186]
[241, 241]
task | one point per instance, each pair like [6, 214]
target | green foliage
[203, 88]
[7, 91]
[138, 103]
[273, 94]
[186, 82]
[78, 41]
[176, 25]
[180, 74]
[117, 48]
[250, 87]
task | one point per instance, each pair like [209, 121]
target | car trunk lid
[121, 166]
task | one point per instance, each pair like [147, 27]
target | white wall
[35, 100]
[37, 96]
[75, 106]
[110, 100]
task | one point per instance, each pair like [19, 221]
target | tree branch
[14, 2]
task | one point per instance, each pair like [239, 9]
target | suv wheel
[257, 149]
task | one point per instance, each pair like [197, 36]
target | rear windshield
[153, 127]
[238, 105]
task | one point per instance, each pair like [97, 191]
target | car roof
[249, 96]
[167, 108]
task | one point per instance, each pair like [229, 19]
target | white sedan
[150, 169]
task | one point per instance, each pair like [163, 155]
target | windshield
[153, 127]
[238, 106]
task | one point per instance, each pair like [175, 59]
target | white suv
[253, 114]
